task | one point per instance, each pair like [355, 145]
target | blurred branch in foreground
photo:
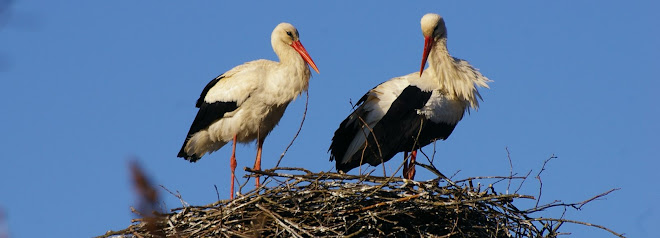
[147, 202]
[4, 227]
[5, 14]
[5, 7]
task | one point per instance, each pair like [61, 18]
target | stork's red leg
[257, 162]
[232, 164]
[410, 174]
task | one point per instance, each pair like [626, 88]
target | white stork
[245, 103]
[409, 112]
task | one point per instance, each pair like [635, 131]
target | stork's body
[409, 112]
[246, 103]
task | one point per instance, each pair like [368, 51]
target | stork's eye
[289, 33]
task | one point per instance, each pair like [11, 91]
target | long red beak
[301, 50]
[428, 44]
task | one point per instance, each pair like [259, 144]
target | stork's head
[433, 28]
[288, 35]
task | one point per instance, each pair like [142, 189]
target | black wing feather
[208, 114]
[206, 89]
[344, 134]
[398, 130]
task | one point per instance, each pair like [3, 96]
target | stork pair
[400, 115]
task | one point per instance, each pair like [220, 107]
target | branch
[297, 132]
[576, 206]
[579, 222]
[538, 176]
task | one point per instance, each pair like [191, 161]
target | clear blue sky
[89, 85]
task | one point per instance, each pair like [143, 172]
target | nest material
[306, 204]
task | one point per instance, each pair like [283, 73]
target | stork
[245, 103]
[409, 112]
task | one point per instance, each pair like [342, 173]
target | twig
[576, 206]
[297, 132]
[579, 222]
[327, 175]
[489, 177]
[508, 156]
[434, 150]
[524, 178]
[216, 191]
[538, 176]
[366, 143]
[282, 222]
[403, 199]
[177, 195]
[437, 173]
[596, 197]
[488, 198]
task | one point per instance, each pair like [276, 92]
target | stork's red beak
[301, 50]
[428, 44]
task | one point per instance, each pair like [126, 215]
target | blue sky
[89, 85]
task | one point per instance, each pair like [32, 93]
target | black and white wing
[393, 117]
[221, 96]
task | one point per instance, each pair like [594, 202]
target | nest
[298, 203]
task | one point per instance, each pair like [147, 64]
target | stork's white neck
[288, 55]
[291, 76]
[455, 77]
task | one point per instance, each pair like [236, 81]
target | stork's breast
[443, 109]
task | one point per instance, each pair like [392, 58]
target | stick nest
[300, 203]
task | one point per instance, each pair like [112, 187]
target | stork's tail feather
[198, 145]
[182, 154]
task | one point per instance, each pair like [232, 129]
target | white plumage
[411, 111]
[246, 103]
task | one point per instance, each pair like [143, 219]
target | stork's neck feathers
[456, 77]
[292, 74]
[290, 58]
